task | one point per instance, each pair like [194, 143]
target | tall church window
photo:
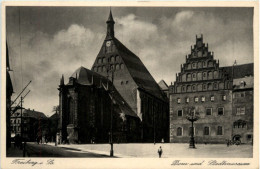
[103, 60]
[95, 69]
[179, 131]
[122, 66]
[99, 69]
[71, 111]
[206, 131]
[99, 60]
[117, 58]
[220, 130]
[117, 67]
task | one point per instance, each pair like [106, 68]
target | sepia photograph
[129, 82]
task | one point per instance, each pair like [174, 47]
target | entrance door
[237, 139]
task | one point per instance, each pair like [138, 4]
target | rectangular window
[179, 131]
[179, 113]
[212, 98]
[220, 111]
[206, 131]
[178, 100]
[208, 111]
[196, 99]
[220, 130]
[203, 99]
[224, 97]
[242, 110]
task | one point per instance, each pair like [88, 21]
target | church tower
[110, 26]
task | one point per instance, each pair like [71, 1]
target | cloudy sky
[58, 40]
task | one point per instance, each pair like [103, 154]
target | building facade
[28, 124]
[203, 84]
[135, 87]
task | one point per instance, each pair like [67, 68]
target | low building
[28, 124]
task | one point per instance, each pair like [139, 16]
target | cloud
[183, 16]
[45, 58]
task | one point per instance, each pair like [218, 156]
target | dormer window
[242, 84]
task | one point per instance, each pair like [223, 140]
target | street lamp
[111, 70]
[192, 116]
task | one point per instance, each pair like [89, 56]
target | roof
[85, 76]
[240, 71]
[138, 71]
[31, 113]
[163, 85]
[243, 83]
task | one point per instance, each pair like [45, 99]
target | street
[173, 150]
[44, 150]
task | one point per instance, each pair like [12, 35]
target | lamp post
[192, 116]
[111, 70]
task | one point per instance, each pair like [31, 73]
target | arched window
[117, 58]
[199, 76]
[188, 77]
[194, 77]
[122, 66]
[188, 88]
[204, 87]
[209, 86]
[189, 66]
[210, 64]
[117, 67]
[183, 88]
[104, 60]
[215, 86]
[184, 77]
[199, 65]
[104, 68]
[206, 131]
[95, 69]
[194, 88]
[99, 60]
[99, 69]
[179, 131]
[210, 76]
[204, 76]
[215, 74]
[112, 67]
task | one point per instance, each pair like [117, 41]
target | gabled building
[135, 84]
[203, 84]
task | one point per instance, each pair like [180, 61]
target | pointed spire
[110, 17]
[62, 80]
[110, 26]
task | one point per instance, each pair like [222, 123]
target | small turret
[110, 26]
[62, 80]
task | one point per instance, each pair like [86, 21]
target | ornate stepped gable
[201, 72]
[130, 72]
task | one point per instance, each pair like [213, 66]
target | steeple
[110, 26]
[62, 80]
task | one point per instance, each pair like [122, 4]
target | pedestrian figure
[227, 143]
[160, 152]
